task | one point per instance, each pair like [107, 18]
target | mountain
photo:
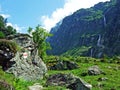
[91, 32]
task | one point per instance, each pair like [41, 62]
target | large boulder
[69, 81]
[94, 70]
[36, 86]
[28, 65]
[64, 65]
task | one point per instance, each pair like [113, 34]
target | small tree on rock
[39, 38]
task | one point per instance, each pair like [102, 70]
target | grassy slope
[112, 71]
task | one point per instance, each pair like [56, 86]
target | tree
[39, 37]
[6, 30]
[2, 35]
[30, 30]
[2, 23]
[10, 30]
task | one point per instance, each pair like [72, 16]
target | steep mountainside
[90, 32]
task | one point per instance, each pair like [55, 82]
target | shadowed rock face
[97, 27]
[68, 80]
[28, 65]
[64, 65]
[6, 53]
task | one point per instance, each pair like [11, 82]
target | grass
[112, 73]
[78, 51]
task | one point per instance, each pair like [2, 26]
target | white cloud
[18, 28]
[15, 26]
[5, 15]
[69, 7]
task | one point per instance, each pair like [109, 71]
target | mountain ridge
[96, 28]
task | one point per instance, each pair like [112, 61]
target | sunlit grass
[111, 70]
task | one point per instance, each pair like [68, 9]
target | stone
[84, 74]
[36, 86]
[102, 79]
[69, 81]
[94, 70]
[28, 65]
[64, 65]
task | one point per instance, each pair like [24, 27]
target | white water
[91, 52]
[105, 21]
[99, 41]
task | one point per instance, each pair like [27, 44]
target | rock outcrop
[7, 52]
[36, 86]
[69, 81]
[94, 70]
[64, 65]
[27, 64]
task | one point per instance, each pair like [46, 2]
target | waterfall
[100, 54]
[105, 21]
[99, 41]
[91, 52]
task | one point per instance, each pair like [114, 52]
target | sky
[22, 14]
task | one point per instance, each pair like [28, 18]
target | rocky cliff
[91, 32]
[7, 52]
[25, 62]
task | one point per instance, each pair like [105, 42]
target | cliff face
[90, 32]
[23, 59]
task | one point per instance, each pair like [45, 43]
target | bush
[2, 35]
[11, 45]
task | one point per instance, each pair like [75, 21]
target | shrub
[2, 35]
[11, 45]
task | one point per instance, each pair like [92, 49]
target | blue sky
[24, 13]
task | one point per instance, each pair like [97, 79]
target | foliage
[11, 45]
[2, 35]
[39, 38]
[76, 51]
[20, 84]
[6, 77]
[112, 71]
[94, 15]
[10, 30]
[29, 30]
[6, 29]
[2, 24]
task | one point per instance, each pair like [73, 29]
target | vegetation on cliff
[9, 44]
[5, 29]
[96, 28]
[39, 36]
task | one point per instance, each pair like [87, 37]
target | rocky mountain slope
[91, 32]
